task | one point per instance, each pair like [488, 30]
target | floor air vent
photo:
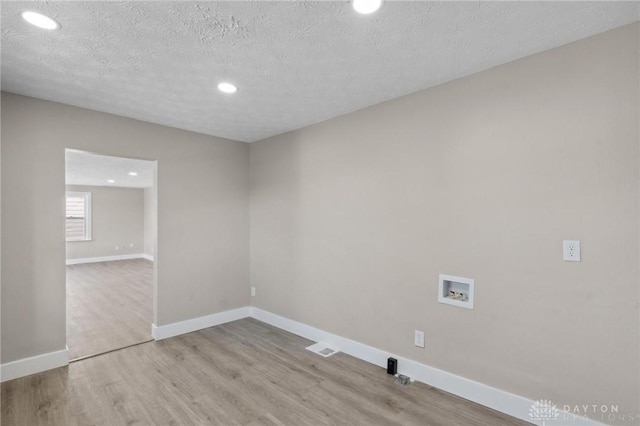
[323, 349]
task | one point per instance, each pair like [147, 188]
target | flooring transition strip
[82, 358]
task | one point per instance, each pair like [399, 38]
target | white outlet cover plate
[571, 251]
[419, 339]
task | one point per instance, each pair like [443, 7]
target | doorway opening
[110, 231]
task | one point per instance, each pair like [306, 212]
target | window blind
[76, 220]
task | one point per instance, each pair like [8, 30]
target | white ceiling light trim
[366, 7]
[39, 20]
[225, 87]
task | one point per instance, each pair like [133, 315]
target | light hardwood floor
[241, 373]
[109, 305]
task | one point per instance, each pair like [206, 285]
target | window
[78, 216]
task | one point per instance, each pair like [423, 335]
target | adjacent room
[365, 212]
[110, 237]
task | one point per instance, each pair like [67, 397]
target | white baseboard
[147, 256]
[499, 400]
[505, 402]
[32, 365]
[187, 326]
[106, 258]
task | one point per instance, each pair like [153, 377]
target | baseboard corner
[187, 326]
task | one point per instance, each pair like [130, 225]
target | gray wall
[150, 224]
[353, 219]
[117, 219]
[202, 186]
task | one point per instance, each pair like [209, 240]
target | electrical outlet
[253, 291]
[131, 245]
[571, 251]
[418, 339]
[117, 248]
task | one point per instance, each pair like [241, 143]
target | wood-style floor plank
[241, 373]
[109, 305]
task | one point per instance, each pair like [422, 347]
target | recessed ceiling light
[111, 181]
[133, 173]
[366, 6]
[227, 88]
[40, 20]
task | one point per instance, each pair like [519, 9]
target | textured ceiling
[295, 63]
[83, 168]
